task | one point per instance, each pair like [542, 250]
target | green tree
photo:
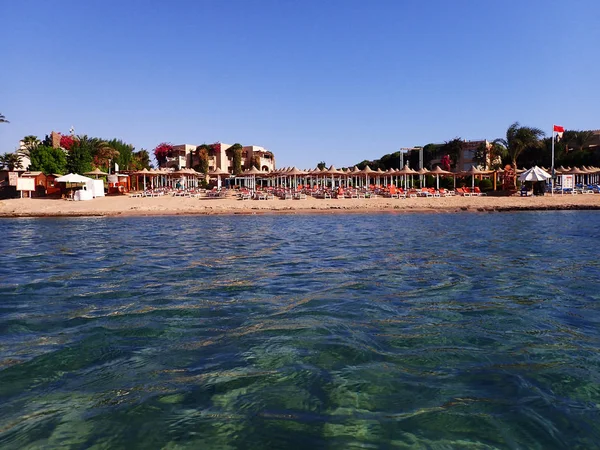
[29, 143]
[453, 149]
[126, 151]
[11, 161]
[3, 119]
[322, 165]
[431, 152]
[141, 160]
[579, 140]
[80, 157]
[518, 138]
[104, 154]
[481, 155]
[236, 150]
[48, 159]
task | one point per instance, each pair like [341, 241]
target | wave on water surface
[378, 331]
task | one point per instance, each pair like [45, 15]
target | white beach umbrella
[535, 174]
[73, 178]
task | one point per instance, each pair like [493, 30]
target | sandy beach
[167, 205]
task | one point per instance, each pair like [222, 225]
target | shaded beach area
[168, 205]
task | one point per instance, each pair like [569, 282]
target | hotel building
[221, 157]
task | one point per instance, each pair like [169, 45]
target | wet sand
[167, 205]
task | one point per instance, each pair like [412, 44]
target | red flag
[559, 131]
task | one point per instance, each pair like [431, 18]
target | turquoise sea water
[436, 331]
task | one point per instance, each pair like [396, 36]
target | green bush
[486, 185]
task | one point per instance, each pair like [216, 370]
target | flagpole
[552, 169]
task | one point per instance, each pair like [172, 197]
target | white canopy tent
[73, 178]
[535, 174]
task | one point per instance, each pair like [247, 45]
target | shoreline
[176, 206]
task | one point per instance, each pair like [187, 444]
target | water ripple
[383, 331]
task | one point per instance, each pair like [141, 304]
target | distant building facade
[221, 157]
[467, 156]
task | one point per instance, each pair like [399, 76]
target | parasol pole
[552, 169]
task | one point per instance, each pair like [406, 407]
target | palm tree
[11, 161]
[3, 119]
[518, 138]
[580, 139]
[29, 143]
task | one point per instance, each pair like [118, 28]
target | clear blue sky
[333, 80]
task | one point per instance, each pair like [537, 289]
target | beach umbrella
[333, 172]
[295, 172]
[437, 171]
[422, 172]
[251, 173]
[474, 171]
[406, 171]
[143, 172]
[218, 173]
[354, 173]
[535, 174]
[97, 172]
[73, 178]
[367, 171]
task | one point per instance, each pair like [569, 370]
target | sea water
[467, 330]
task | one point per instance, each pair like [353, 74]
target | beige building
[467, 155]
[221, 157]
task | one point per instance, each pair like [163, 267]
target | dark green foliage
[202, 154]
[11, 161]
[125, 157]
[453, 149]
[80, 157]
[486, 185]
[48, 159]
[481, 155]
[578, 140]
[322, 165]
[236, 150]
[141, 160]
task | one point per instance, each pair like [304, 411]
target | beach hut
[41, 182]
